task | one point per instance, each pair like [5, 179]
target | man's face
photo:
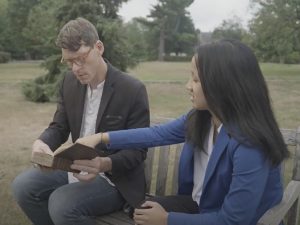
[83, 62]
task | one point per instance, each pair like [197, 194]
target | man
[94, 97]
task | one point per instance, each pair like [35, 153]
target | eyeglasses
[79, 61]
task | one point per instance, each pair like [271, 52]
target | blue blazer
[239, 183]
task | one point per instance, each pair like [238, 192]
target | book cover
[64, 156]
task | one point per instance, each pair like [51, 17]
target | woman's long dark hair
[236, 92]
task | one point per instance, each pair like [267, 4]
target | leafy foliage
[41, 29]
[45, 87]
[3, 22]
[275, 30]
[4, 57]
[17, 14]
[172, 28]
[102, 13]
[138, 40]
[231, 29]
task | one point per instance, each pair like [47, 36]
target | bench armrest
[276, 214]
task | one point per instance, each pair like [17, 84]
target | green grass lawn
[168, 98]
[22, 121]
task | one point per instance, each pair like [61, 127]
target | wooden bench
[161, 169]
[289, 207]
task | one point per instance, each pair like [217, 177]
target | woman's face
[195, 89]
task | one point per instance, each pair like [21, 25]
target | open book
[64, 156]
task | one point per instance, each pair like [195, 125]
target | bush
[45, 88]
[39, 91]
[169, 58]
[293, 58]
[34, 92]
[4, 57]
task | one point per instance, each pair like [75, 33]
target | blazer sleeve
[58, 130]
[126, 160]
[249, 178]
[165, 134]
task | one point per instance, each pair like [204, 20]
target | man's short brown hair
[76, 33]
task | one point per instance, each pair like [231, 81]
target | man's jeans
[47, 198]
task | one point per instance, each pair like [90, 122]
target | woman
[229, 171]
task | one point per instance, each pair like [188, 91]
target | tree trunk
[281, 59]
[161, 47]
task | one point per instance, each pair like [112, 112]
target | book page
[42, 158]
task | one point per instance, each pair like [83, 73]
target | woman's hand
[153, 214]
[91, 140]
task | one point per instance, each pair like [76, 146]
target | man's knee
[21, 186]
[61, 207]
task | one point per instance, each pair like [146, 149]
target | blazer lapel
[186, 170]
[219, 147]
[106, 94]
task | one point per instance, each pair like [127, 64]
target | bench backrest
[288, 209]
[162, 173]
[162, 169]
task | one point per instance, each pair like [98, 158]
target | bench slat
[175, 171]
[293, 214]
[149, 168]
[296, 168]
[274, 216]
[289, 136]
[162, 171]
[117, 218]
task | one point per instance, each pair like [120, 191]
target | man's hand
[40, 146]
[153, 214]
[91, 167]
[91, 140]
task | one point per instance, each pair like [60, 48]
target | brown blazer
[124, 105]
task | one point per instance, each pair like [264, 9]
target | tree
[4, 56]
[17, 15]
[41, 29]
[137, 35]
[231, 29]
[3, 22]
[103, 14]
[275, 30]
[183, 38]
[170, 22]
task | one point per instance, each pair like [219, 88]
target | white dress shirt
[90, 113]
